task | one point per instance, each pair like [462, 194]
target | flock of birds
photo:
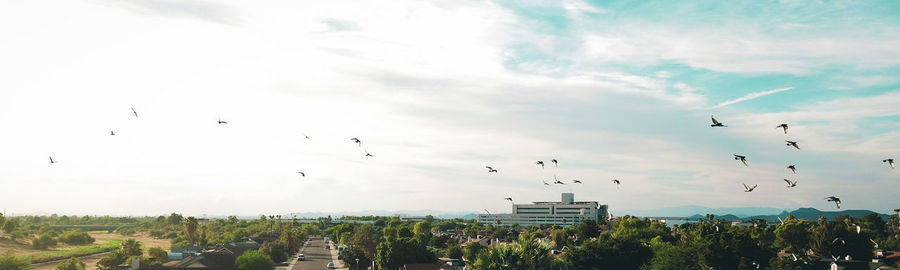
[617, 182]
[792, 167]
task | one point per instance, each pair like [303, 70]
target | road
[317, 257]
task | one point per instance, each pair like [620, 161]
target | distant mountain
[803, 213]
[690, 210]
[412, 213]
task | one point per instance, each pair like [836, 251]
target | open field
[104, 242]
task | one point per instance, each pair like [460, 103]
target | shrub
[76, 237]
[10, 262]
[71, 264]
[43, 242]
[254, 260]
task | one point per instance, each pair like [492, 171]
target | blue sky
[437, 90]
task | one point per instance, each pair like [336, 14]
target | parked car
[330, 265]
[301, 257]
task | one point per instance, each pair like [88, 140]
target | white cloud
[751, 96]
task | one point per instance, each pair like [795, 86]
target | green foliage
[470, 253]
[502, 257]
[351, 254]
[71, 264]
[158, 254]
[454, 252]
[174, 219]
[10, 225]
[10, 262]
[131, 247]
[254, 260]
[43, 242]
[611, 252]
[276, 250]
[393, 254]
[47, 256]
[76, 237]
[112, 260]
[190, 230]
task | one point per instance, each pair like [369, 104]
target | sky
[436, 91]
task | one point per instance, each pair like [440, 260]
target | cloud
[751, 96]
[197, 9]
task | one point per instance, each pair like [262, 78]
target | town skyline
[436, 91]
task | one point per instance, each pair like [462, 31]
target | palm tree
[190, 228]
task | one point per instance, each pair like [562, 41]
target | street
[317, 257]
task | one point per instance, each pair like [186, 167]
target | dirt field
[23, 247]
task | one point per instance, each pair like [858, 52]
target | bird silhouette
[836, 200]
[367, 153]
[617, 183]
[306, 136]
[112, 133]
[749, 188]
[576, 181]
[540, 162]
[783, 126]
[508, 199]
[792, 168]
[222, 122]
[357, 141]
[302, 174]
[555, 162]
[716, 123]
[890, 162]
[491, 169]
[52, 161]
[557, 181]
[135, 112]
[545, 183]
[743, 159]
[791, 183]
[793, 143]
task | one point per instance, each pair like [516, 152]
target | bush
[254, 260]
[43, 242]
[275, 250]
[76, 237]
[10, 262]
[71, 264]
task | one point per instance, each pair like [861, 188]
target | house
[221, 258]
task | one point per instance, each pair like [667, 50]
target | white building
[564, 213]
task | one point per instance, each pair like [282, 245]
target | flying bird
[716, 123]
[783, 126]
[555, 162]
[51, 160]
[792, 168]
[490, 169]
[112, 133]
[357, 141]
[749, 188]
[890, 162]
[839, 239]
[222, 122]
[617, 183]
[302, 174]
[873, 243]
[576, 181]
[540, 162]
[135, 112]
[545, 183]
[306, 136]
[790, 183]
[793, 143]
[742, 159]
[508, 199]
[367, 153]
[557, 181]
[836, 200]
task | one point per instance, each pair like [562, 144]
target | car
[330, 265]
[301, 257]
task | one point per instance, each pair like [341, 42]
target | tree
[254, 260]
[190, 229]
[471, 251]
[275, 250]
[393, 254]
[454, 252]
[352, 254]
[43, 242]
[589, 228]
[112, 260]
[76, 237]
[174, 219]
[793, 235]
[9, 262]
[71, 264]
[131, 247]
[499, 258]
[10, 225]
